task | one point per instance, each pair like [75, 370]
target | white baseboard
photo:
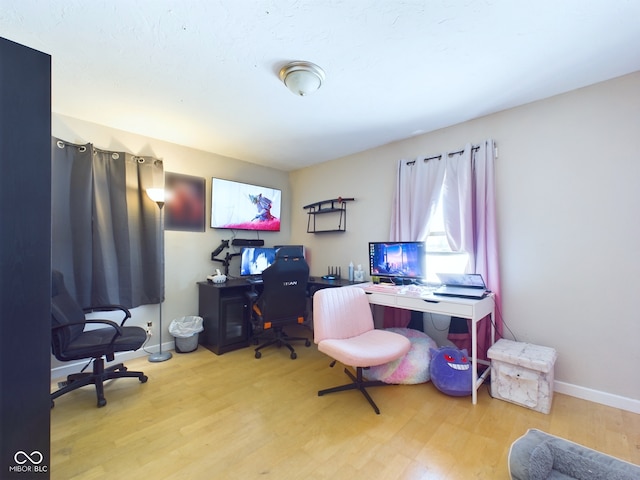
[62, 371]
[596, 396]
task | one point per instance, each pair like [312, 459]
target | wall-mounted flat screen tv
[405, 260]
[243, 206]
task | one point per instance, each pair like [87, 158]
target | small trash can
[185, 332]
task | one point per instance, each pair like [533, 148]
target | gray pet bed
[538, 456]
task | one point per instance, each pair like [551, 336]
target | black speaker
[245, 242]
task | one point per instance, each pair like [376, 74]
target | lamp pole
[157, 195]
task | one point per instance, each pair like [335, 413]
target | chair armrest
[252, 295]
[110, 308]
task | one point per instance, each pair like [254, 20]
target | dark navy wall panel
[25, 261]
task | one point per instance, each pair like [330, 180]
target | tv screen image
[397, 259]
[243, 206]
[254, 260]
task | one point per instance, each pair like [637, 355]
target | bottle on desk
[351, 271]
[358, 275]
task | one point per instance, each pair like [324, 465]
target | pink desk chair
[343, 329]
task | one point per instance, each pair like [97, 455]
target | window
[440, 257]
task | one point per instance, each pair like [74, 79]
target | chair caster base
[281, 339]
[357, 383]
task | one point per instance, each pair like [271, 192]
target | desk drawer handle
[431, 301]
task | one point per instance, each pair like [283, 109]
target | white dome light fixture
[302, 78]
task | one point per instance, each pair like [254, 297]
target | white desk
[412, 297]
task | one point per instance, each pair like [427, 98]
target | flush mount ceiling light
[302, 78]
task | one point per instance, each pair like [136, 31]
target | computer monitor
[397, 260]
[254, 260]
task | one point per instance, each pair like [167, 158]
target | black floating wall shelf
[335, 205]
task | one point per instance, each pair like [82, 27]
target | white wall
[568, 194]
[187, 255]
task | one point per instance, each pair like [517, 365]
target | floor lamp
[157, 195]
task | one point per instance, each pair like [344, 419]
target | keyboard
[415, 290]
[254, 280]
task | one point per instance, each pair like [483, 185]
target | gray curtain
[106, 236]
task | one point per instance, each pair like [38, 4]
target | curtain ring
[82, 149]
[115, 155]
[60, 144]
[140, 159]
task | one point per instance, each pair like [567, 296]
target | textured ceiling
[205, 73]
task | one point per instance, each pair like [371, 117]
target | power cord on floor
[145, 343]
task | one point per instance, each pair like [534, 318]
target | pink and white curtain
[466, 181]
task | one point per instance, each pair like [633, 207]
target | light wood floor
[203, 416]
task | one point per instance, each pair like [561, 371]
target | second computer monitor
[254, 260]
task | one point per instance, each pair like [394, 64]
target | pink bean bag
[413, 367]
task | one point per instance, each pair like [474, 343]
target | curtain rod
[438, 157]
[473, 148]
[115, 155]
[63, 143]
[83, 148]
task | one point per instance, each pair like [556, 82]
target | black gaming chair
[70, 341]
[283, 301]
